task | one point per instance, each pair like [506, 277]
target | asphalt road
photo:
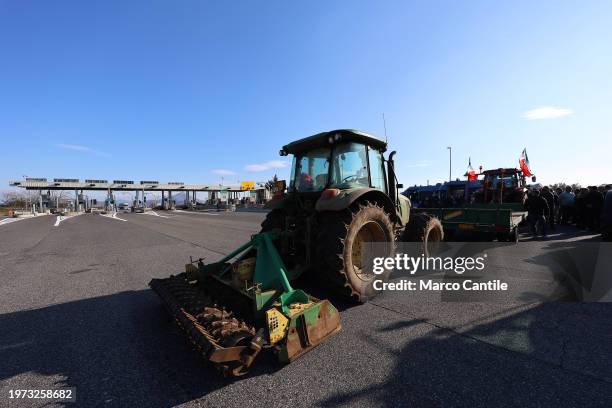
[75, 311]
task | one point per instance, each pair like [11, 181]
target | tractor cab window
[508, 180]
[349, 166]
[377, 173]
[310, 170]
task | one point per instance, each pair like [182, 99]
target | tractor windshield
[349, 166]
[508, 180]
[310, 170]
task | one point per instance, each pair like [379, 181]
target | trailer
[491, 208]
[484, 221]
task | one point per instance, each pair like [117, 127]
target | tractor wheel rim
[371, 231]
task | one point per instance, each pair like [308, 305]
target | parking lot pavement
[25, 233]
[75, 310]
[219, 233]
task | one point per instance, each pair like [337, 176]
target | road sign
[247, 185]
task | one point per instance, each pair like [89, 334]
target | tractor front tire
[340, 241]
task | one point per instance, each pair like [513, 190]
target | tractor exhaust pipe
[391, 180]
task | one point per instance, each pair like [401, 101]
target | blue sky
[192, 90]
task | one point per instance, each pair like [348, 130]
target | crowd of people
[581, 207]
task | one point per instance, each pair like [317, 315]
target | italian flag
[471, 174]
[524, 163]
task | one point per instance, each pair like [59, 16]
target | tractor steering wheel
[347, 178]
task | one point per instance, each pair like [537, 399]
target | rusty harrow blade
[220, 337]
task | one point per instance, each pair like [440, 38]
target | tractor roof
[345, 135]
[509, 170]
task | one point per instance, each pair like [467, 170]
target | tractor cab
[332, 170]
[504, 185]
[341, 159]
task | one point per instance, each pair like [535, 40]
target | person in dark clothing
[558, 192]
[606, 217]
[580, 208]
[557, 204]
[593, 206]
[537, 212]
[553, 202]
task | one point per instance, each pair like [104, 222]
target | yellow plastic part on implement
[277, 325]
[245, 269]
[296, 308]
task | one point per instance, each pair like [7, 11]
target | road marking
[194, 212]
[154, 214]
[117, 218]
[16, 345]
[113, 216]
[9, 220]
[61, 218]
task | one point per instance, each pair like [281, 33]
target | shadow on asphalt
[560, 233]
[582, 269]
[547, 356]
[117, 349]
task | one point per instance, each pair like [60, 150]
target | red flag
[524, 163]
[471, 174]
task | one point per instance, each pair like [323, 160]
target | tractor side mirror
[280, 186]
[533, 179]
[400, 185]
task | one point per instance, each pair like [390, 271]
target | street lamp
[26, 195]
[450, 162]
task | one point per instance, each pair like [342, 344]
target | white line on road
[154, 214]
[9, 220]
[61, 218]
[113, 216]
[15, 345]
[194, 212]
[117, 218]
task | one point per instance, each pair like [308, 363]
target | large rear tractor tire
[426, 229]
[342, 237]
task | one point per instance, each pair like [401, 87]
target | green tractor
[340, 196]
[340, 203]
